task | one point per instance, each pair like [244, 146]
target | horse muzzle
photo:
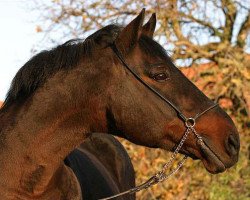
[216, 162]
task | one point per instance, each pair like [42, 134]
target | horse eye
[160, 77]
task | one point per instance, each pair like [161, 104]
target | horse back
[102, 167]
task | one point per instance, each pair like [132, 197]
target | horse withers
[118, 81]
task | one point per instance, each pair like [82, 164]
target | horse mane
[48, 62]
[45, 64]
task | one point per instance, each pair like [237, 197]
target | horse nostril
[232, 145]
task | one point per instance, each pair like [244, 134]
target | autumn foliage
[210, 40]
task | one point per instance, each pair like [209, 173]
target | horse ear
[149, 28]
[131, 33]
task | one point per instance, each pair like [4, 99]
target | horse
[117, 81]
[102, 167]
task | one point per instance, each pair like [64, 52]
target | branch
[244, 30]
[230, 11]
[202, 22]
[242, 5]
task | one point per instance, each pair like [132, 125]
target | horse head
[136, 113]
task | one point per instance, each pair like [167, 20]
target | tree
[194, 32]
[216, 32]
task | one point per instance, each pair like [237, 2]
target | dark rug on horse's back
[90, 178]
[102, 167]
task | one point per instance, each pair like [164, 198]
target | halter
[189, 123]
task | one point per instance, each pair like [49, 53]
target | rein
[189, 123]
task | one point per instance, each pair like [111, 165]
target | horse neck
[40, 135]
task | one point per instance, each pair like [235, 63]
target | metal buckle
[190, 122]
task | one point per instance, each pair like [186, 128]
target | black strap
[119, 55]
[179, 113]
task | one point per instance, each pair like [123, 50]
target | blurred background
[208, 39]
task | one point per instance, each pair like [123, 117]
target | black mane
[66, 56]
[45, 64]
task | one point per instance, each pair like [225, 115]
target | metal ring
[190, 122]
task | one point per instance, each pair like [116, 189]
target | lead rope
[161, 175]
[189, 124]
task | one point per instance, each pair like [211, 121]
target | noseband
[189, 123]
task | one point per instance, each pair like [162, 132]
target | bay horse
[102, 167]
[118, 81]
